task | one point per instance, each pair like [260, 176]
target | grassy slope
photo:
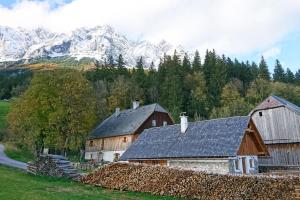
[4, 109]
[15, 184]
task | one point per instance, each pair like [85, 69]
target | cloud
[233, 27]
[271, 53]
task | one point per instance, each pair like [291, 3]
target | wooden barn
[115, 134]
[278, 121]
[227, 145]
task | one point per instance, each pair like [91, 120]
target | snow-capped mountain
[99, 42]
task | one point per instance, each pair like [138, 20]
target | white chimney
[117, 112]
[135, 104]
[183, 122]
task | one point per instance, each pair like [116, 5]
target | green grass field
[16, 185]
[4, 109]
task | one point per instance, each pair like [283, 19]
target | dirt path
[4, 160]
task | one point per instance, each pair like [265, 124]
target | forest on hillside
[214, 86]
[61, 106]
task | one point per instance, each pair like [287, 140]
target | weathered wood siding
[282, 155]
[159, 117]
[118, 143]
[252, 143]
[278, 125]
[280, 129]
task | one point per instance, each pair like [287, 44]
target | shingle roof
[275, 101]
[126, 122]
[210, 138]
[287, 104]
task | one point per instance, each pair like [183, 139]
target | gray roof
[210, 138]
[127, 122]
[287, 104]
[275, 102]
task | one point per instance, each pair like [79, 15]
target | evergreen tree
[215, 73]
[278, 75]
[111, 61]
[197, 103]
[254, 70]
[197, 61]
[140, 63]
[186, 64]
[263, 70]
[139, 75]
[152, 65]
[290, 77]
[121, 63]
[172, 86]
[297, 77]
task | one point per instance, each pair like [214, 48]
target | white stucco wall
[107, 156]
[110, 155]
[220, 166]
[96, 155]
[249, 169]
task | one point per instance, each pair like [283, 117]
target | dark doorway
[244, 164]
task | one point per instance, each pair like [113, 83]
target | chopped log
[53, 165]
[190, 184]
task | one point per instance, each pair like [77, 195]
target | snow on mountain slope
[99, 42]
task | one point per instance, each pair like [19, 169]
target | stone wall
[220, 166]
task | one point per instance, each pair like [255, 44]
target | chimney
[135, 104]
[117, 112]
[183, 122]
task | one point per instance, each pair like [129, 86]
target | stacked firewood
[53, 165]
[31, 168]
[190, 184]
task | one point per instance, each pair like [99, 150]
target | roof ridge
[206, 120]
[287, 103]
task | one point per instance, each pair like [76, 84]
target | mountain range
[19, 45]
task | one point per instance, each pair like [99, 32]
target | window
[237, 164]
[260, 114]
[251, 162]
[116, 157]
[91, 143]
[153, 123]
[165, 123]
[91, 156]
[124, 139]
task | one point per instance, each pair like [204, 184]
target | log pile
[53, 165]
[190, 184]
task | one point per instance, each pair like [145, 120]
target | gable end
[252, 143]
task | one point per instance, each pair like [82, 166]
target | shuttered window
[153, 123]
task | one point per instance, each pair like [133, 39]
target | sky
[243, 29]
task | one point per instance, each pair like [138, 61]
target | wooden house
[115, 134]
[227, 145]
[278, 121]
